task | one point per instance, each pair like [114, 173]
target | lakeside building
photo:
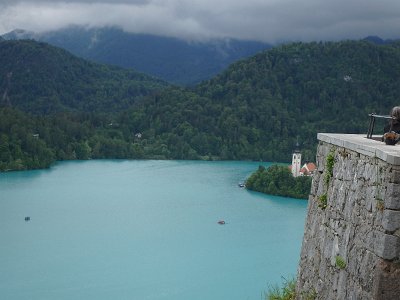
[296, 161]
[307, 169]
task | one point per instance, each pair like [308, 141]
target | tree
[278, 180]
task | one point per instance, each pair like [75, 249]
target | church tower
[296, 161]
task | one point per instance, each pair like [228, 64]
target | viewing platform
[351, 243]
[361, 144]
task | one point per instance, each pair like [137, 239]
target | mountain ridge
[171, 59]
[38, 77]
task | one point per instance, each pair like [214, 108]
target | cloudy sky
[263, 20]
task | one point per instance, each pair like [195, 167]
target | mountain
[256, 109]
[40, 78]
[19, 34]
[259, 107]
[379, 41]
[296, 90]
[171, 59]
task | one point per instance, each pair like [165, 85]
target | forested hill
[303, 88]
[40, 78]
[255, 109]
[259, 107]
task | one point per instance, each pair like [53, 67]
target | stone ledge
[360, 144]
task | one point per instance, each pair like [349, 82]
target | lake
[125, 229]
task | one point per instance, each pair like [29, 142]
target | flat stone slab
[360, 144]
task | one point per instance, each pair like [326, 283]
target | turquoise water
[144, 230]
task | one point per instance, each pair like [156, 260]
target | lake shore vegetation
[278, 180]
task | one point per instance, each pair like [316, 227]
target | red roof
[308, 168]
[311, 167]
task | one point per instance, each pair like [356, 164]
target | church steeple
[296, 160]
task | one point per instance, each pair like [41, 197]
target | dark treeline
[278, 180]
[254, 110]
[31, 142]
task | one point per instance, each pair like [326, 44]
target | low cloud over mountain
[262, 20]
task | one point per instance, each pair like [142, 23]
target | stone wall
[351, 244]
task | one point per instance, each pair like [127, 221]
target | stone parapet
[360, 144]
[351, 244]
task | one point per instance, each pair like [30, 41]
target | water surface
[144, 230]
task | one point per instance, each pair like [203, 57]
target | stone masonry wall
[351, 245]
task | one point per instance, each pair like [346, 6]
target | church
[297, 169]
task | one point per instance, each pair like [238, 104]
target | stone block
[366, 151]
[320, 163]
[395, 176]
[342, 286]
[386, 246]
[366, 274]
[370, 192]
[350, 171]
[322, 153]
[321, 186]
[391, 220]
[393, 158]
[348, 211]
[370, 173]
[315, 183]
[392, 197]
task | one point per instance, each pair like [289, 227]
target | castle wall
[351, 244]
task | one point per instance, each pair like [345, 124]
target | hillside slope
[37, 77]
[297, 90]
[171, 59]
[259, 107]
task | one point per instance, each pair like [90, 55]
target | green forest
[41, 79]
[278, 180]
[54, 106]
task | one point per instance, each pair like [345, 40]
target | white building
[296, 162]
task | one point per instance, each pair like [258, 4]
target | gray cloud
[8, 2]
[264, 20]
